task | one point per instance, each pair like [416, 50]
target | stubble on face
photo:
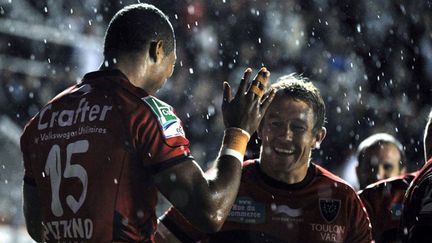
[288, 138]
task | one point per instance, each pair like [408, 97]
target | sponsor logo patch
[291, 212]
[286, 214]
[329, 209]
[246, 210]
[170, 123]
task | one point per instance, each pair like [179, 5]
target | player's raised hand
[246, 109]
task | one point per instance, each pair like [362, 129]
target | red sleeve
[181, 228]
[161, 139]
[360, 228]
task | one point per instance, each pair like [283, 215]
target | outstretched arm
[204, 199]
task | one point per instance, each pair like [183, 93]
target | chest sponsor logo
[171, 125]
[329, 209]
[284, 213]
[291, 212]
[246, 210]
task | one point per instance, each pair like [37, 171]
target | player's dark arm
[32, 212]
[204, 199]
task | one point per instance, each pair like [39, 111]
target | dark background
[372, 61]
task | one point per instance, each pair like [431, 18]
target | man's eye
[298, 128]
[388, 167]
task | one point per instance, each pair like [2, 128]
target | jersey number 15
[54, 171]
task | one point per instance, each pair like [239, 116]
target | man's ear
[319, 137]
[403, 170]
[156, 51]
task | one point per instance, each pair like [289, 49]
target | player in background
[379, 157]
[283, 196]
[380, 164]
[384, 203]
[96, 154]
[416, 223]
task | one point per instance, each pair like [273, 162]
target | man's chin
[284, 164]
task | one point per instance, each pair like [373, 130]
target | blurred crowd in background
[372, 61]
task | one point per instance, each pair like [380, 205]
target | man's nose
[288, 134]
[375, 173]
[381, 174]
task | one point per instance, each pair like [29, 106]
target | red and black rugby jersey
[321, 208]
[383, 201]
[92, 151]
[416, 220]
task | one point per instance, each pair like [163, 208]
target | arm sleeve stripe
[29, 181]
[170, 163]
[175, 230]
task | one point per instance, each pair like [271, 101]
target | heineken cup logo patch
[171, 125]
[329, 209]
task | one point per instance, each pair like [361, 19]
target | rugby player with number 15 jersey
[97, 154]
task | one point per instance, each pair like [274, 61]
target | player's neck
[136, 73]
[293, 176]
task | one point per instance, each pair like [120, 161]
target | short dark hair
[301, 88]
[377, 140]
[134, 27]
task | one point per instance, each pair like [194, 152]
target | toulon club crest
[329, 209]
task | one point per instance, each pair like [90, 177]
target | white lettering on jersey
[63, 118]
[74, 228]
[330, 232]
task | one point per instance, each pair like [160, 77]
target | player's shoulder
[166, 116]
[249, 167]
[57, 99]
[248, 164]
[395, 183]
[326, 176]
[156, 104]
[322, 172]
[424, 171]
[422, 180]
[250, 171]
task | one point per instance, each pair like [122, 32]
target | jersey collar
[310, 175]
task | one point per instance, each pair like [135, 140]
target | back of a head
[375, 141]
[428, 138]
[300, 88]
[134, 27]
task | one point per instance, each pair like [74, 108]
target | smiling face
[287, 137]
